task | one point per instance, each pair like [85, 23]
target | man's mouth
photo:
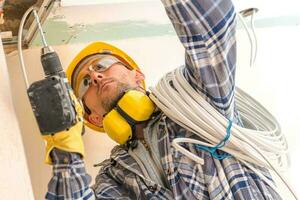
[104, 84]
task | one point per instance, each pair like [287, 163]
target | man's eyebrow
[86, 109]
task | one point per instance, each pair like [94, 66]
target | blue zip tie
[213, 150]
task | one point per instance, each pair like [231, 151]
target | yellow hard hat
[76, 70]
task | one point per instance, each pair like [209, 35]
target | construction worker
[145, 165]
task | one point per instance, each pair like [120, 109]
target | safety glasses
[97, 64]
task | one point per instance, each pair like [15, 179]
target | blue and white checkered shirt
[206, 29]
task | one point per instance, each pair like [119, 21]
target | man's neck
[139, 131]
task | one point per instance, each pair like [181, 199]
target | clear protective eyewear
[98, 64]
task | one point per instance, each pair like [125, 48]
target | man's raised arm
[206, 28]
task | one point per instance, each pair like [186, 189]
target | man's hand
[69, 140]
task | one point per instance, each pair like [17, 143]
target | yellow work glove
[71, 140]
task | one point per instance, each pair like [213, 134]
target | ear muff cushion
[117, 127]
[132, 108]
[137, 105]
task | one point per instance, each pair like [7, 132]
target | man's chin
[112, 96]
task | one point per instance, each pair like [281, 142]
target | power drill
[50, 98]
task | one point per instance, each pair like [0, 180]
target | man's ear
[96, 119]
[139, 76]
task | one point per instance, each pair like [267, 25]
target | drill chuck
[50, 61]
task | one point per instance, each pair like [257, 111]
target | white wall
[15, 181]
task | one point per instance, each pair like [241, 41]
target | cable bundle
[262, 145]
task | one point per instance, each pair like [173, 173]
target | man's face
[107, 87]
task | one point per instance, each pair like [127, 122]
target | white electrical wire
[20, 36]
[255, 38]
[263, 144]
[253, 44]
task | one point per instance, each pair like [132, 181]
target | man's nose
[96, 77]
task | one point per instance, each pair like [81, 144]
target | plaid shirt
[206, 28]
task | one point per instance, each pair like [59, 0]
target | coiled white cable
[263, 145]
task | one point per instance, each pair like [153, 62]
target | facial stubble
[109, 102]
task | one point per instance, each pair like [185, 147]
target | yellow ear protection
[133, 108]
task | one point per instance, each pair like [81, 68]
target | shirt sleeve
[70, 180]
[206, 28]
[109, 186]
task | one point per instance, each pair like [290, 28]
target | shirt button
[169, 172]
[113, 162]
[153, 188]
[66, 160]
